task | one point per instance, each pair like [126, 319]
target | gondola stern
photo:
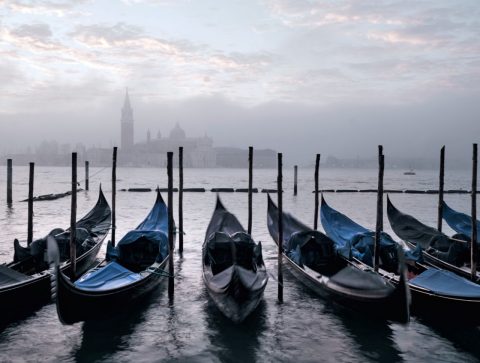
[219, 205]
[402, 295]
[159, 198]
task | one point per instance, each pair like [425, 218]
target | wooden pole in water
[315, 219]
[30, 204]
[73, 218]
[295, 179]
[9, 182]
[440, 188]
[114, 190]
[250, 184]
[87, 182]
[379, 227]
[280, 228]
[180, 199]
[474, 215]
[170, 224]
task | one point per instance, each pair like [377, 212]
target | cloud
[58, 8]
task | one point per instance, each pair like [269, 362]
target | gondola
[25, 282]
[461, 223]
[436, 294]
[312, 259]
[131, 270]
[439, 249]
[233, 268]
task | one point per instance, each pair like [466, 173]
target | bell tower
[127, 124]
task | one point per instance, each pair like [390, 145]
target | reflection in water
[101, 339]
[235, 342]
[374, 338]
[464, 338]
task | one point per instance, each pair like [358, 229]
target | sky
[300, 76]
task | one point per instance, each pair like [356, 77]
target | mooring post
[114, 190]
[30, 204]
[295, 176]
[440, 188]
[280, 228]
[180, 199]
[379, 227]
[473, 243]
[9, 182]
[250, 185]
[315, 218]
[170, 224]
[73, 218]
[87, 182]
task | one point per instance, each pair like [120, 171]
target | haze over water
[303, 328]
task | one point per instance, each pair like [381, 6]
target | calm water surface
[304, 328]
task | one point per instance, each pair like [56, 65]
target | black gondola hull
[392, 307]
[31, 294]
[74, 304]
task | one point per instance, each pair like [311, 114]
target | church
[198, 152]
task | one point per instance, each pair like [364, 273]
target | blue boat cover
[145, 244]
[446, 283]
[354, 240]
[459, 222]
[111, 276]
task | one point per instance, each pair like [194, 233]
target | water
[304, 328]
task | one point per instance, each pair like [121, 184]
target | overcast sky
[336, 77]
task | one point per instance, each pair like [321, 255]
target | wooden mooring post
[87, 181]
[440, 188]
[315, 218]
[171, 286]
[280, 228]
[114, 189]
[180, 199]
[9, 182]
[250, 185]
[379, 226]
[30, 204]
[295, 179]
[473, 243]
[73, 218]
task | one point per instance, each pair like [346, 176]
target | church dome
[177, 133]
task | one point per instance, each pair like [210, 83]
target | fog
[300, 77]
[298, 130]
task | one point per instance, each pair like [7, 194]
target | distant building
[198, 152]
[126, 124]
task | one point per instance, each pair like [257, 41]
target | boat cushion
[111, 276]
[446, 283]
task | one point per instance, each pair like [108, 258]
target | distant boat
[409, 172]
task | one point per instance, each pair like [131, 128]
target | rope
[159, 272]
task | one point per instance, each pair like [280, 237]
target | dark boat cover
[353, 278]
[447, 283]
[222, 251]
[435, 242]
[96, 222]
[301, 244]
[459, 222]
[146, 244]
[354, 240]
